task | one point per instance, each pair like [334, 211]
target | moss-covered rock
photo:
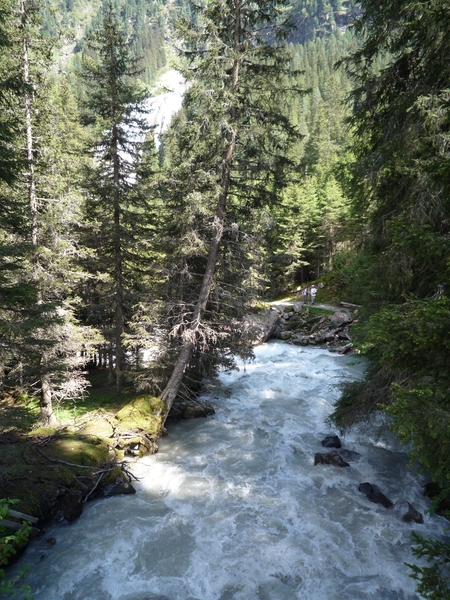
[53, 472]
[144, 413]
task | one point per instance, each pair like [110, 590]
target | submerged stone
[373, 494]
[332, 458]
[331, 441]
[406, 512]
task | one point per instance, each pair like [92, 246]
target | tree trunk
[46, 411]
[194, 332]
[46, 416]
[119, 317]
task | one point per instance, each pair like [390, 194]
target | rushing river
[233, 508]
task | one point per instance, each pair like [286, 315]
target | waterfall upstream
[162, 107]
[233, 508]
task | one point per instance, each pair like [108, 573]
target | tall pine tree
[115, 212]
[232, 150]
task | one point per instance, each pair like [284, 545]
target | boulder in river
[406, 512]
[258, 328]
[196, 410]
[191, 409]
[331, 441]
[349, 455]
[331, 458]
[374, 494]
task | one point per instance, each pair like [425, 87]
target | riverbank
[52, 473]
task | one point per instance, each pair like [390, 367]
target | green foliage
[227, 161]
[8, 548]
[120, 218]
[400, 120]
[434, 578]
[409, 349]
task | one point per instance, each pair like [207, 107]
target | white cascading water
[233, 508]
[162, 107]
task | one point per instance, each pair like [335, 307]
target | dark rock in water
[70, 507]
[331, 441]
[118, 487]
[196, 411]
[191, 409]
[406, 512]
[332, 458]
[374, 494]
[349, 454]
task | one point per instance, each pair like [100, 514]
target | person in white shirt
[313, 293]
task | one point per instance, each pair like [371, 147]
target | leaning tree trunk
[194, 331]
[193, 335]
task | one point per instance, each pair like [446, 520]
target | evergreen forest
[313, 145]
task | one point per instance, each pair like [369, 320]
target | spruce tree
[116, 214]
[400, 191]
[42, 340]
[232, 151]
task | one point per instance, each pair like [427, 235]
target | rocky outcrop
[300, 325]
[258, 328]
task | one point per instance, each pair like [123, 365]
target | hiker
[305, 294]
[313, 293]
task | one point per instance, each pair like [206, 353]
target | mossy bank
[52, 473]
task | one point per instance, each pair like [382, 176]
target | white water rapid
[233, 508]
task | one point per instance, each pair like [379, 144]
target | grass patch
[21, 413]
[18, 414]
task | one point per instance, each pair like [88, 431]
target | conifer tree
[233, 145]
[400, 190]
[44, 343]
[115, 213]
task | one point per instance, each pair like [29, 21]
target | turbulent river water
[233, 508]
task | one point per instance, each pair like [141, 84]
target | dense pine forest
[312, 146]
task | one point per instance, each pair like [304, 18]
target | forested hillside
[312, 144]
